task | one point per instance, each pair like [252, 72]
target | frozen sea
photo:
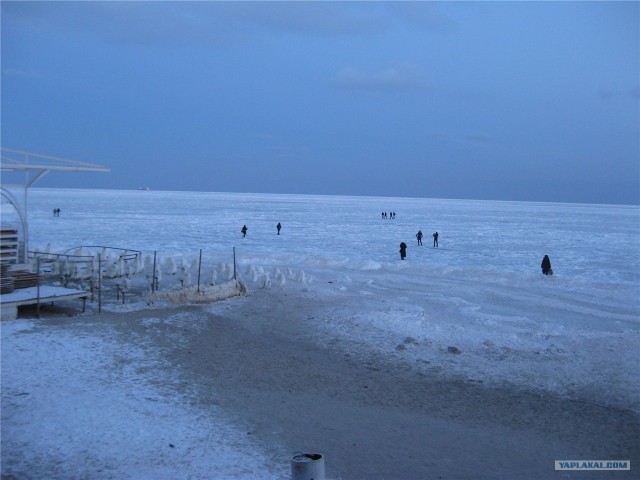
[481, 287]
[575, 333]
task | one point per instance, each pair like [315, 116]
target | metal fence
[114, 274]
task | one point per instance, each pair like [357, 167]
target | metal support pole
[199, 269]
[234, 264]
[153, 277]
[38, 287]
[25, 222]
[99, 284]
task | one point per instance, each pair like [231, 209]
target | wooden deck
[30, 296]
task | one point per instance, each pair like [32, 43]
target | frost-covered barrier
[201, 294]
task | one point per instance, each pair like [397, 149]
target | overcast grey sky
[485, 100]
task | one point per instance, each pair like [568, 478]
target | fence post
[99, 284]
[153, 276]
[199, 268]
[38, 287]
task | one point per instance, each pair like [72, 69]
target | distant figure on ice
[403, 250]
[56, 212]
[435, 239]
[546, 265]
[278, 226]
[419, 237]
[244, 231]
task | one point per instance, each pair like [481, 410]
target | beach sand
[372, 416]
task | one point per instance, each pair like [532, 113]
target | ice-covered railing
[201, 294]
[80, 265]
[84, 262]
[123, 275]
[114, 262]
[197, 270]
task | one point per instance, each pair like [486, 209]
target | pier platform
[9, 302]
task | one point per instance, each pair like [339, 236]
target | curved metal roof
[39, 165]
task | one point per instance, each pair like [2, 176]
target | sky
[534, 101]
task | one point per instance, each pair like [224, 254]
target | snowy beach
[462, 361]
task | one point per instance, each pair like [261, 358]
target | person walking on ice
[244, 231]
[403, 250]
[546, 265]
[419, 237]
[278, 226]
[435, 239]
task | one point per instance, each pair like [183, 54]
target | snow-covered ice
[480, 295]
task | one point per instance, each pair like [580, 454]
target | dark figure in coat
[419, 237]
[278, 226]
[403, 250]
[244, 231]
[435, 239]
[546, 266]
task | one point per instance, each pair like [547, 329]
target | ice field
[481, 291]
[477, 308]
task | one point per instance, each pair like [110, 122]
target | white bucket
[307, 466]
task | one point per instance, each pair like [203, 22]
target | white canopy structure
[20, 170]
